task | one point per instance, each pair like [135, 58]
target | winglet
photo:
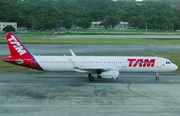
[73, 54]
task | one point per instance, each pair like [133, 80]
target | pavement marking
[170, 107]
[129, 87]
[171, 99]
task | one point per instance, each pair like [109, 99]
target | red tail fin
[15, 46]
[19, 54]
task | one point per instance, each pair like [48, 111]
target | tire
[89, 75]
[91, 78]
[157, 78]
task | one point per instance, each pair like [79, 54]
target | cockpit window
[168, 62]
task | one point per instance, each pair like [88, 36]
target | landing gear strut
[91, 78]
[157, 77]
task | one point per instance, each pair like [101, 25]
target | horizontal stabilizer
[15, 61]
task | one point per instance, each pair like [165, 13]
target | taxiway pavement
[71, 94]
[61, 49]
[122, 36]
[101, 36]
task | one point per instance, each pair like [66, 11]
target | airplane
[105, 67]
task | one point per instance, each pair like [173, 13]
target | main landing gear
[157, 77]
[91, 78]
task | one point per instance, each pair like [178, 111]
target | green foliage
[84, 23]
[68, 23]
[106, 23]
[34, 14]
[9, 28]
[52, 23]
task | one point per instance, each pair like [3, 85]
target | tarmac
[79, 49]
[71, 94]
[101, 36]
[122, 36]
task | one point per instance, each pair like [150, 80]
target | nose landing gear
[157, 77]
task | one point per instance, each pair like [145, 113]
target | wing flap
[95, 69]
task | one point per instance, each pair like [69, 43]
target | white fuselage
[121, 64]
[104, 67]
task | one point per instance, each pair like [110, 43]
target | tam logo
[141, 62]
[17, 45]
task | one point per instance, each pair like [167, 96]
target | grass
[110, 41]
[174, 57]
[101, 32]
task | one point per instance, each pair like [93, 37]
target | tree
[68, 23]
[152, 22]
[31, 13]
[139, 22]
[110, 20]
[105, 23]
[84, 23]
[30, 22]
[37, 26]
[52, 23]
[175, 22]
[9, 28]
[135, 22]
[114, 20]
[97, 15]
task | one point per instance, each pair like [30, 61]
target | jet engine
[109, 74]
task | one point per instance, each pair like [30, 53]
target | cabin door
[158, 64]
[124, 64]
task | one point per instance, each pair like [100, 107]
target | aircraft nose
[175, 67]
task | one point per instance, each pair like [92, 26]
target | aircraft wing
[94, 69]
[90, 69]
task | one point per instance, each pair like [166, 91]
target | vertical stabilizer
[15, 46]
[19, 54]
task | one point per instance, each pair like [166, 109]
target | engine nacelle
[110, 74]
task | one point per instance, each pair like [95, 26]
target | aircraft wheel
[157, 78]
[89, 75]
[91, 78]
